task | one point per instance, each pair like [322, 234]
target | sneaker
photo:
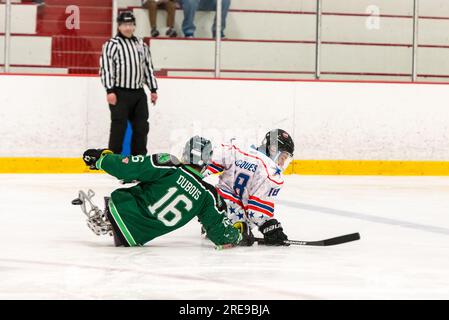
[171, 33]
[155, 33]
[223, 37]
[188, 36]
[40, 3]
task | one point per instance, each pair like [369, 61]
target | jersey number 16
[170, 207]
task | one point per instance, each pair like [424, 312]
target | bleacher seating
[51, 46]
[25, 19]
[275, 38]
[29, 50]
[30, 53]
[265, 39]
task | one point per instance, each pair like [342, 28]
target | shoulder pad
[165, 160]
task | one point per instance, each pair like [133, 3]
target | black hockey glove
[245, 231]
[91, 156]
[273, 233]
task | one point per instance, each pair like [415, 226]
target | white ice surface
[47, 252]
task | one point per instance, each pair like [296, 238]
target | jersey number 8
[240, 184]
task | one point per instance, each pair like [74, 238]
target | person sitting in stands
[191, 6]
[170, 6]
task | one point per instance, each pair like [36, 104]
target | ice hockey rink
[47, 251]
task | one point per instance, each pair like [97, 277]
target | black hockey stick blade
[327, 242]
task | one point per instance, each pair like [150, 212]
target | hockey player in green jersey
[168, 195]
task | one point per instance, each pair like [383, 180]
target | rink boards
[338, 127]
[304, 167]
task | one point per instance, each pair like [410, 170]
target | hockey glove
[91, 157]
[245, 231]
[273, 233]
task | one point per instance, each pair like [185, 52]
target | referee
[125, 66]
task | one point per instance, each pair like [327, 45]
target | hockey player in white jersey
[250, 181]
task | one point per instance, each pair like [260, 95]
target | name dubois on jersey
[246, 165]
[189, 187]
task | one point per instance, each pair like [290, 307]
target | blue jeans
[191, 6]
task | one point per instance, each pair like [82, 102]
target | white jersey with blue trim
[248, 178]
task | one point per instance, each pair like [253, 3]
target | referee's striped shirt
[126, 63]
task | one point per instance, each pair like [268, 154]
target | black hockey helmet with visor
[279, 146]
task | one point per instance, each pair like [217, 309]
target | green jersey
[168, 195]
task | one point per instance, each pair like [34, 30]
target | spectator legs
[190, 7]
[171, 12]
[209, 5]
[152, 10]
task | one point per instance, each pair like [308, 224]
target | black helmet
[276, 141]
[125, 17]
[197, 151]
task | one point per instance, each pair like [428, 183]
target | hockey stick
[327, 242]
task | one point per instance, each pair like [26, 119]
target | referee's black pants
[132, 105]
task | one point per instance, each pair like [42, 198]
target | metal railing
[218, 39]
[415, 39]
[114, 16]
[318, 40]
[7, 41]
